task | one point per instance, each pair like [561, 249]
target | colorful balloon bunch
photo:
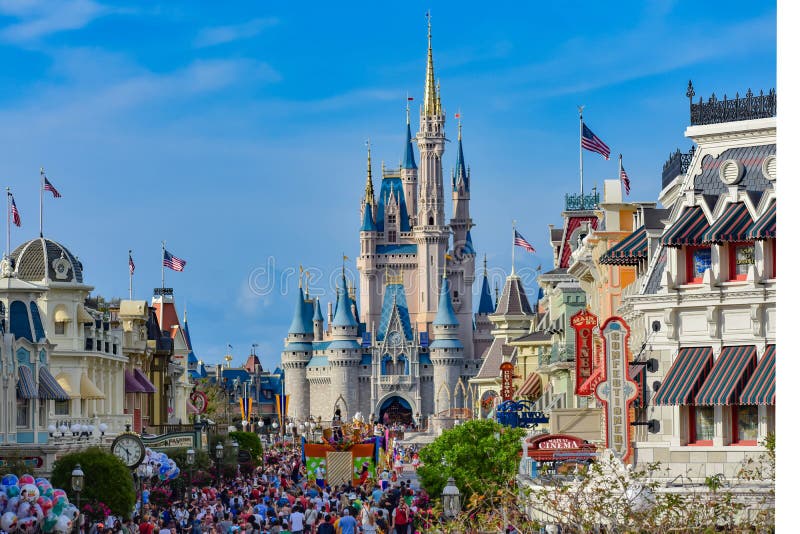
[29, 504]
[158, 464]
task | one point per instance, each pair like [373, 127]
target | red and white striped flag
[173, 262]
[131, 265]
[49, 187]
[591, 142]
[623, 176]
[521, 242]
[14, 211]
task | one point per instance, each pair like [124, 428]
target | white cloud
[40, 18]
[235, 32]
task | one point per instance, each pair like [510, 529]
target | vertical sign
[506, 381]
[583, 323]
[616, 391]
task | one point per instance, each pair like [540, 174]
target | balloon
[8, 521]
[10, 480]
[49, 523]
[31, 492]
[13, 504]
[63, 525]
[71, 512]
[24, 510]
[40, 480]
[27, 524]
[12, 491]
[45, 504]
[37, 511]
[58, 493]
[26, 479]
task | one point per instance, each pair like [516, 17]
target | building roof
[301, 321]
[394, 298]
[539, 335]
[408, 248]
[445, 315]
[493, 357]
[765, 227]
[38, 259]
[628, 251]
[344, 313]
[367, 225]
[654, 218]
[317, 312]
[556, 234]
[446, 344]
[513, 300]
[251, 363]
[485, 306]
[460, 174]
[392, 185]
[750, 158]
[408, 156]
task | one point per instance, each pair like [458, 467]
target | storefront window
[698, 261]
[23, 413]
[742, 256]
[62, 407]
[701, 425]
[745, 419]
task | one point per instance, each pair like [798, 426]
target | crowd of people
[278, 498]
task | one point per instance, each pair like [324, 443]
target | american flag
[49, 187]
[173, 262]
[520, 242]
[591, 142]
[15, 211]
[623, 176]
[131, 265]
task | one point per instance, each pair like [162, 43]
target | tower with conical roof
[431, 232]
[447, 351]
[408, 171]
[344, 355]
[295, 357]
[483, 326]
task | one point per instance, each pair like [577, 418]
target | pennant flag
[410, 98]
[49, 187]
[131, 265]
[592, 143]
[458, 115]
[521, 242]
[623, 176]
[173, 262]
[15, 211]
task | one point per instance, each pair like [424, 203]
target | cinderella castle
[410, 348]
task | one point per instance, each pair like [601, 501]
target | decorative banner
[562, 447]
[506, 380]
[616, 391]
[199, 400]
[583, 323]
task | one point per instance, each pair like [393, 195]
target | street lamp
[235, 447]
[189, 462]
[290, 426]
[275, 431]
[77, 486]
[219, 451]
[451, 499]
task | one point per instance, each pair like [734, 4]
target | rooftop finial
[485, 267]
[300, 278]
[408, 108]
[369, 195]
[430, 105]
[458, 116]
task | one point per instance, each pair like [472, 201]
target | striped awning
[64, 382]
[89, 390]
[628, 251]
[144, 381]
[764, 227]
[687, 230]
[49, 388]
[761, 387]
[532, 387]
[685, 377]
[731, 226]
[727, 379]
[131, 384]
[26, 385]
[637, 375]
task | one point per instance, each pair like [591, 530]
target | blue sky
[237, 134]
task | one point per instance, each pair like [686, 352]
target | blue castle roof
[317, 312]
[445, 316]
[301, 322]
[461, 168]
[387, 186]
[486, 306]
[395, 296]
[446, 344]
[408, 158]
[468, 248]
[344, 314]
[367, 225]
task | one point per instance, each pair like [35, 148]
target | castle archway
[395, 409]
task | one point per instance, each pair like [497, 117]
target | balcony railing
[748, 107]
[395, 379]
[580, 202]
[677, 164]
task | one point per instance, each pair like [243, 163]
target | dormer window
[391, 219]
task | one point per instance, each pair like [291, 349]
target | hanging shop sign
[617, 391]
[506, 380]
[584, 323]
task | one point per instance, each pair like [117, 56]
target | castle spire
[431, 104]
[369, 194]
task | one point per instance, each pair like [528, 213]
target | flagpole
[130, 271]
[513, 238]
[8, 226]
[41, 201]
[163, 253]
[620, 170]
[580, 147]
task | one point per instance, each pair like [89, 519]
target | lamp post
[451, 499]
[235, 448]
[219, 450]
[77, 486]
[274, 432]
[189, 462]
[291, 428]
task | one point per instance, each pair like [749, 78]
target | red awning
[761, 387]
[687, 230]
[685, 377]
[532, 387]
[731, 226]
[727, 379]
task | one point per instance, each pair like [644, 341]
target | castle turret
[430, 232]
[318, 321]
[295, 357]
[483, 326]
[408, 172]
[344, 354]
[447, 352]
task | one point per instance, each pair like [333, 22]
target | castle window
[61, 328]
[430, 221]
[391, 219]
[392, 236]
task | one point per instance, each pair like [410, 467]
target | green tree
[106, 479]
[476, 454]
[249, 441]
[217, 400]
